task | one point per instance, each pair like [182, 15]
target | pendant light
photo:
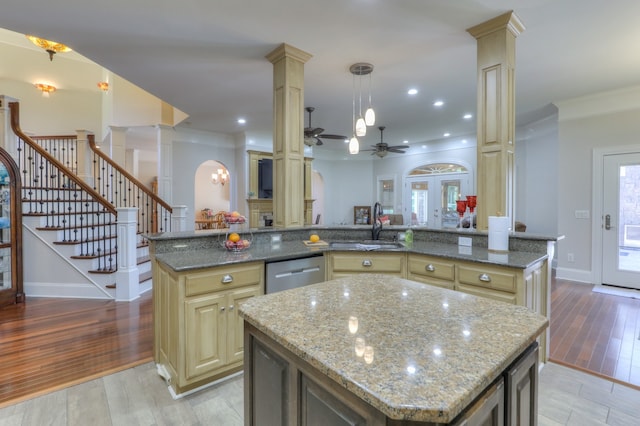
[369, 119]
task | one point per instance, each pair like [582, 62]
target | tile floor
[137, 397]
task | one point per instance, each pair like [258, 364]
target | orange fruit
[235, 214]
[235, 237]
[314, 238]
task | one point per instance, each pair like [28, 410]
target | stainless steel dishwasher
[288, 274]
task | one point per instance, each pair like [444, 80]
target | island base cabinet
[282, 389]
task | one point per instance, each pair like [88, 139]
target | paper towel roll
[499, 227]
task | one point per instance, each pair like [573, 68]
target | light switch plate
[582, 214]
[465, 241]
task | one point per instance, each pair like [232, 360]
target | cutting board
[316, 244]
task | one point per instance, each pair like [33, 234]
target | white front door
[621, 220]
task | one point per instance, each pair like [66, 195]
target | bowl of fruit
[234, 242]
[234, 217]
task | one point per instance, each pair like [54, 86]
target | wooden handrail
[140, 185]
[15, 125]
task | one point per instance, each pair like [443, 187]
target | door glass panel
[5, 229]
[419, 203]
[386, 195]
[450, 190]
[629, 218]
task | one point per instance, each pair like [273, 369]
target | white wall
[537, 176]
[596, 121]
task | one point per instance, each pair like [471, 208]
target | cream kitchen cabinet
[342, 264]
[198, 331]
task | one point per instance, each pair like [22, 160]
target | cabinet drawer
[487, 278]
[427, 267]
[223, 278]
[368, 262]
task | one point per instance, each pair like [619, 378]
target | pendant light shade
[361, 127]
[354, 145]
[370, 117]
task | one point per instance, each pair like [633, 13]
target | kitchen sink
[366, 245]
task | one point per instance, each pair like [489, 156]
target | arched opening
[211, 193]
[431, 194]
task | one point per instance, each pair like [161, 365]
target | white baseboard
[78, 291]
[579, 275]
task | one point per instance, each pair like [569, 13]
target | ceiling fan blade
[318, 141]
[399, 147]
[399, 151]
[329, 136]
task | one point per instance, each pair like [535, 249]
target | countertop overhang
[431, 351]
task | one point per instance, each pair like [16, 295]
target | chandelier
[360, 122]
[52, 47]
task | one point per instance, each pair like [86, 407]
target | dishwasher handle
[297, 272]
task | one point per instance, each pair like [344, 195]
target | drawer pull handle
[484, 277]
[430, 268]
[222, 309]
[231, 308]
[367, 263]
[227, 279]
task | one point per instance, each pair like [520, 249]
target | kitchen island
[376, 349]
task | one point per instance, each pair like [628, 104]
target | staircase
[70, 195]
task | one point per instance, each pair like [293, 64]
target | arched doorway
[211, 190]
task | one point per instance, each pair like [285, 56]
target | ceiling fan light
[361, 127]
[370, 117]
[354, 146]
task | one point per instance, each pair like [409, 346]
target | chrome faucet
[376, 227]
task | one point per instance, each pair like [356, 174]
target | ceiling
[207, 58]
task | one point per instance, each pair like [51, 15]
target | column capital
[287, 51]
[509, 21]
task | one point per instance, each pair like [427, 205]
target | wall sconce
[45, 88]
[104, 86]
[221, 177]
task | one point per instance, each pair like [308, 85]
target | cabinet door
[235, 322]
[205, 338]
[522, 391]
[488, 410]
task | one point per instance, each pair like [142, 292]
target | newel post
[127, 276]
[179, 218]
[84, 154]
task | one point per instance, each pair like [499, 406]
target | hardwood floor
[597, 333]
[47, 344]
[50, 344]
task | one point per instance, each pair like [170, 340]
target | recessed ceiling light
[242, 121]
[464, 141]
[405, 141]
[446, 135]
[438, 103]
[412, 92]
[467, 116]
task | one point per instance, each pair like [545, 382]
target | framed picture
[362, 215]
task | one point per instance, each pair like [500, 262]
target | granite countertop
[185, 257]
[429, 351]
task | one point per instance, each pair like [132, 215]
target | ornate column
[496, 40]
[164, 139]
[288, 123]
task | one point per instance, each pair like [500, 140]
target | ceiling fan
[381, 148]
[314, 135]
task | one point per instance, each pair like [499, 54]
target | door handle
[607, 222]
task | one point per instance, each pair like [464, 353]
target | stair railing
[52, 190]
[118, 186]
